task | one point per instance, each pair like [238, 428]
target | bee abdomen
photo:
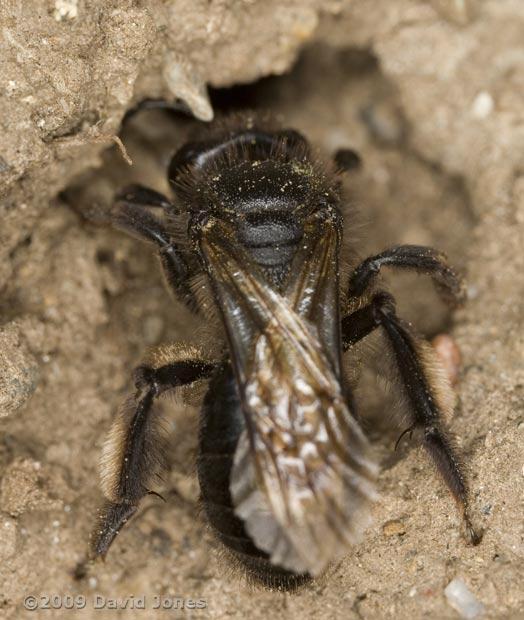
[220, 428]
[213, 472]
[214, 469]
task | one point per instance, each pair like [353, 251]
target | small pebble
[393, 528]
[449, 354]
[462, 600]
[486, 510]
[65, 9]
[483, 105]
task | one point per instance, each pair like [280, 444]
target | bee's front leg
[133, 452]
[142, 196]
[131, 215]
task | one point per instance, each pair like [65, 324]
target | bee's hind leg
[427, 391]
[133, 452]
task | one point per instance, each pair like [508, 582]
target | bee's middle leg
[418, 258]
[132, 454]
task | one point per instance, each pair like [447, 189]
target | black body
[267, 226]
[263, 222]
[221, 423]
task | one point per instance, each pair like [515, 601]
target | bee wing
[313, 285]
[302, 480]
[301, 477]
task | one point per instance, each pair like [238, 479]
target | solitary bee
[252, 243]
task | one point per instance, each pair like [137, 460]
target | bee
[251, 242]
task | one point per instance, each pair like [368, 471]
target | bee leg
[427, 391]
[132, 454]
[347, 160]
[414, 257]
[142, 196]
[359, 324]
[156, 104]
[135, 220]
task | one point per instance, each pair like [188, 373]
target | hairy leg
[159, 104]
[131, 217]
[133, 453]
[142, 196]
[426, 389]
[347, 160]
[413, 257]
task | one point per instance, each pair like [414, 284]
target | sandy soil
[431, 95]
